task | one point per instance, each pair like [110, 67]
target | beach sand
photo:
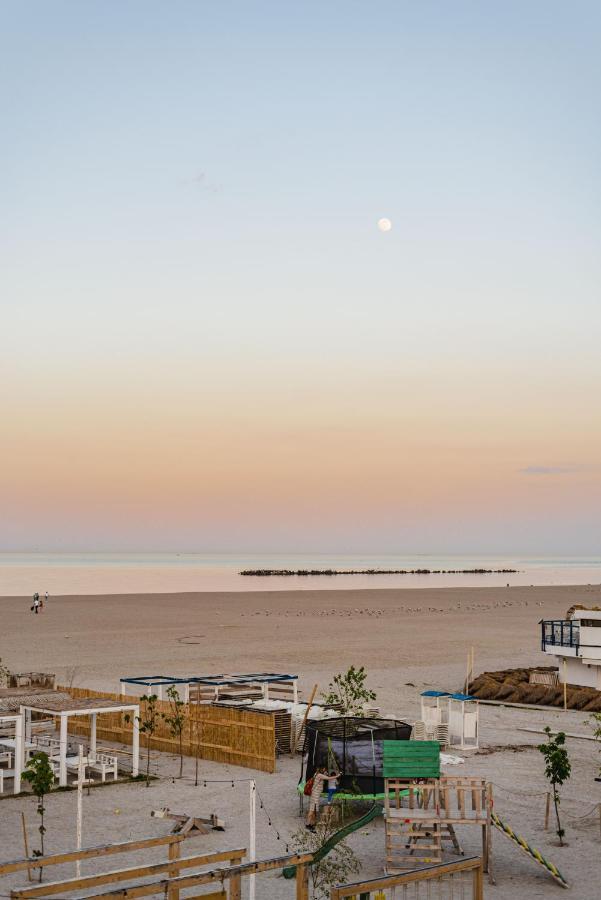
[407, 639]
[419, 635]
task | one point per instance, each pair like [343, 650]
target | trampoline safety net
[352, 746]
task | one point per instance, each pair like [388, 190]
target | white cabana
[13, 746]
[63, 708]
[463, 722]
[210, 688]
[435, 708]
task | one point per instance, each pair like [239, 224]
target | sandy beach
[417, 635]
[407, 639]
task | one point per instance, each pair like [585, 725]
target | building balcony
[560, 633]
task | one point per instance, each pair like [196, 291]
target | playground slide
[370, 815]
[532, 852]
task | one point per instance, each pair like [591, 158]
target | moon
[384, 224]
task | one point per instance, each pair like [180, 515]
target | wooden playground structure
[423, 807]
[420, 817]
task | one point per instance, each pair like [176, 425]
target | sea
[114, 573]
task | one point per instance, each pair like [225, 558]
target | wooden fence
[240, 737]
[171, 868]
[461, 880]
[227, 879]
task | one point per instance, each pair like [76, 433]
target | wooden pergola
[63, 707]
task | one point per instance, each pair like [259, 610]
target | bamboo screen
[240, 737]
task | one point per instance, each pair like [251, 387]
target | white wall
[579, 673]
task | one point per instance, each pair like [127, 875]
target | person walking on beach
[36, 603]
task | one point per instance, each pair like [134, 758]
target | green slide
[370, 815]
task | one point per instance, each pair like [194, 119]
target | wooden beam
[428, 873]
[173, 864]
[302, 883]
[88, 853]
[235, 888]
[188, 881]
[173, 870]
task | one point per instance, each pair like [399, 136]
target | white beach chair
[418, 732]
[441, 734]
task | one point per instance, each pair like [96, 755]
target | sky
[207, 344]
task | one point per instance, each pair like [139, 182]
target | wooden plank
[143, 871]
[302, 883]
[214, 895]
[428, 873]
[88, 853]
[173, 870]
[188, 881]
[411, 759]
[235, 888]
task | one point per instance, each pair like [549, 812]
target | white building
[576, 644]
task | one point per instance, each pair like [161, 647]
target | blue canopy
[436, 694]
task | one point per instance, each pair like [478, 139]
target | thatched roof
[12, 698]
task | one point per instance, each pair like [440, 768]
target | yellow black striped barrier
[532, 852]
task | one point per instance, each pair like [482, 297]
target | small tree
[176, 720]
[147, 723]
[4, 675]
[557, 769]
[38, 772]
[595, 723]
[349, 691]
[336, 866]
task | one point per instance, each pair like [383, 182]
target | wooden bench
[105, 764]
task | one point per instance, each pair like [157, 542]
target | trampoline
[353, 747]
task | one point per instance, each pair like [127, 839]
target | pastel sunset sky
[206, 343]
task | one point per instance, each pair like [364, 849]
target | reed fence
[240, 737]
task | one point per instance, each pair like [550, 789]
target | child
[332, 785]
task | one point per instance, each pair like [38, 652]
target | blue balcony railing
[560, 633]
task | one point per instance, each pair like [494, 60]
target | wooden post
[174, 854]
[305, 717]
[235, 887]
[302, 883]
[488, 834]
[26, 842]
[547, 809]
[252, 841]
[135, 743]
[478, 889]
[565, 684]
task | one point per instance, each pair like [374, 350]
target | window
[590, 623]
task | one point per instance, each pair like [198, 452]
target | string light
[234, 782]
